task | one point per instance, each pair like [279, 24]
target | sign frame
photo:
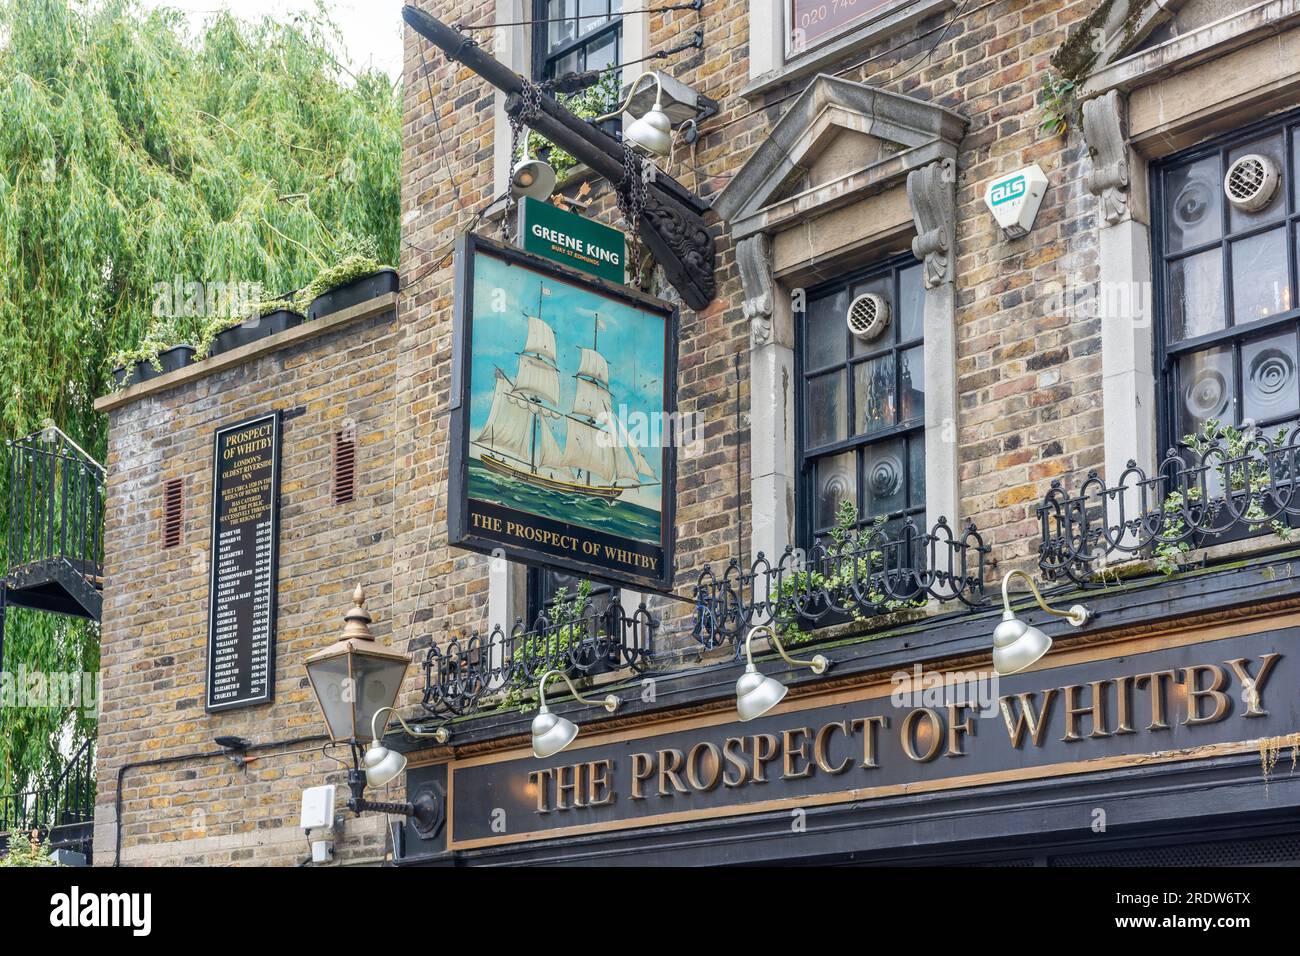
[276, 419]
[459, 527]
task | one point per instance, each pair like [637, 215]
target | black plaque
[245, 552]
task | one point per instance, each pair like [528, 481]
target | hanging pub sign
[563, 418]
[572, 240]
[245, 551]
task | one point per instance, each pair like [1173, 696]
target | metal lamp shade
[533, 178]
[382, 765]
[1017, 645]
[353, 679]
[652, 132]
[551, 733]
[756, 694]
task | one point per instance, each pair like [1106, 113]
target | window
[581, 35]
[1226, 334]
[862, 403]
[543, 583]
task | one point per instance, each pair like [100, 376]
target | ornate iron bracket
[672, 221]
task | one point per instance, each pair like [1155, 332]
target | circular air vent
[868, 316]
[1251, 182]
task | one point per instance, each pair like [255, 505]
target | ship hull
[501, 467]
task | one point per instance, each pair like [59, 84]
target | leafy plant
[359, 258]
[1249, 470]
[569, 625]
[595, 100]
[1058, 104]
[848, 568]
[218, 325]
[26, 852]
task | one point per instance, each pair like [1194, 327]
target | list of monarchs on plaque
[241, 625]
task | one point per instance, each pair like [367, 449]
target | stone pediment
[838, 142]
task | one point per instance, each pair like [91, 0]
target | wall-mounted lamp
[653, 130]
[756, 694]
[384, 765]
[534, 178]
[552, 733]
[1017, 645]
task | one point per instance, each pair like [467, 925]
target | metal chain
[631, 194]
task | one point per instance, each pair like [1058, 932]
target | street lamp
[355, 681]
[756, 694]
[1017, 645]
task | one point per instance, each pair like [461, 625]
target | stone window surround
[768, 65]
[1173, 117]
[910, 193]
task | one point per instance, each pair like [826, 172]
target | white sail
[537, 379]
[549, 456]
[594, 366]
[583, 450]
[541, 339]
[638, 460]
[591, 401]
[623, 467]
[509, 427]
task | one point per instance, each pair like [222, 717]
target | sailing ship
[599, 457]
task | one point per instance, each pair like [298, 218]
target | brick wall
[155, 623]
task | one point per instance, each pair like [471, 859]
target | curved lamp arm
[1077, 615]
[819, 663]
[659, 95]
[610, 703]
[441, 734]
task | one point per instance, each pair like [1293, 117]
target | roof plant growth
[136, 160]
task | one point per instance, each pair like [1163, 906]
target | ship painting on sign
[551, 444]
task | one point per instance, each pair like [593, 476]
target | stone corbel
[754, 258]
[931, 191]
[1105, 123]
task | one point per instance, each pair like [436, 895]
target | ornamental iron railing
[844, 576]
[585, 639]
[70, 799]
[1212, 490]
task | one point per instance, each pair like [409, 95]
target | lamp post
[355, 681]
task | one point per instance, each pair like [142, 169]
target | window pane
[911, 304]
[1194, 210]
[1268, 367]
[835, 481]
[826, 330]
[1206, 389]
[827, 410]
[911, 386]
[882, 286]
[883, 478]
[1260, 286]
[595, 9]
[561, 31]
[1271, 147]
[602, 54]
[566, 64]
[916, 472]
[1196, 295]
[874, 394]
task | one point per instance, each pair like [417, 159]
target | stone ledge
[272, 343]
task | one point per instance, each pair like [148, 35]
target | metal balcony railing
[54, 532]
[1214, 489]
[848, 576]
[69, 800]
[591, 638]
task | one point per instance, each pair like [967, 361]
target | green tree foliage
[134, 156]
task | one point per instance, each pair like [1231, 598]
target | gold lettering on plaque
[568, 780]
[764, 752]
[1253, 688]
[1025, 716]
[1124, 705]
[868, 726]
[957, 728]
[643, 768]
[822, 742]
[713, 775]
[670, 763]
[793, 752]
[1074, 710]
[1156, 681]
[930, 735]
[1192, 682]
[540, 781]
[600, 790]
[733, 749]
